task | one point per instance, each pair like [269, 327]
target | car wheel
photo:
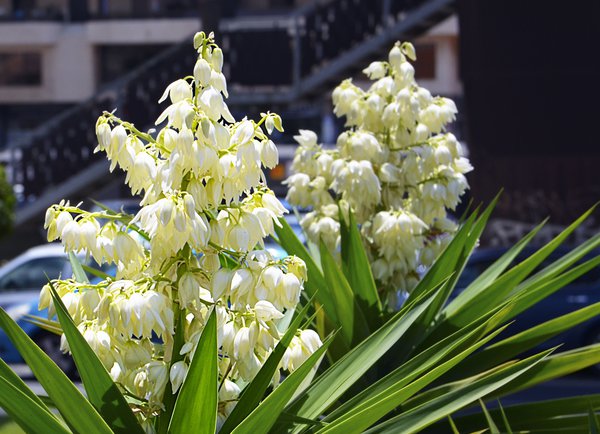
[50, 344]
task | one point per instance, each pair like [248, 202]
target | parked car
[581, 292]
[20, 282]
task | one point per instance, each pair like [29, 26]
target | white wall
[445, 38]
[68, 52]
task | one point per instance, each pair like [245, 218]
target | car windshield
[32, 274]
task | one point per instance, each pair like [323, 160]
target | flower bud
[241, 282]
[265, 311]
[103, 134]
[177, 375]
[229, 391]
[269, 154]
[375, 70]
[396, 58]
[62, 219]
[216, 59]
[221, 282]
[202, 72]
[271, 276]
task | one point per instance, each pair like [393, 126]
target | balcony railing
[297, 53]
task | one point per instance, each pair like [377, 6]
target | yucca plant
[444, 359]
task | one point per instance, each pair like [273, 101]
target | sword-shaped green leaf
[196, 406]
[101, 391]
[27, 412]
[79, 414]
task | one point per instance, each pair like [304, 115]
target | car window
[32, 274]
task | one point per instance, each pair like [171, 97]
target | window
[116, 60]
[425, 64]
[20, 69]
[32, 274]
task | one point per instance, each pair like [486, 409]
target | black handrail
[63, 146]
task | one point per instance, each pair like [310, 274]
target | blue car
[21, 280]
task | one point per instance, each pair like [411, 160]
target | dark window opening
[20, 69]
[425, 64]
[114, 61]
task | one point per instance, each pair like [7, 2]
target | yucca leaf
[196, 406]
[534, 415]
[45, 324]
[488, 277]
[452, 261]
[353, 325]
[254, 392]
[530, 295]
[297, 420]
[78, 272]
[169, 398]
[434, 317]
[363, 414]
[101, 391]
[555, 366]
[453, 426]
[330, 386]
[9, 375]
[95, 272]
[315, 285]
[455, 258]
[357, 270]
[526, 340]
[461, 313]
[594, 427]
[561, 264]
[566, 424]
[507, 427]
[27, 412]
[419, 364]
[445, 264]
[268, 412]
[438, 408]
[419, 336]
[493, 428]
[79, 414]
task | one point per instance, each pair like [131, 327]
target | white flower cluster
[395, 167]
[195, 245]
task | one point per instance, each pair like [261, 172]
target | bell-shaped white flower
[177, 375]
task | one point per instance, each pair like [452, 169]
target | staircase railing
[63, 146]
[281, 59]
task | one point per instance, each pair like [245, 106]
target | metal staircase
[307, 52]
[274, 61]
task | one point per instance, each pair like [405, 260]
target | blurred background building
[522, 75]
